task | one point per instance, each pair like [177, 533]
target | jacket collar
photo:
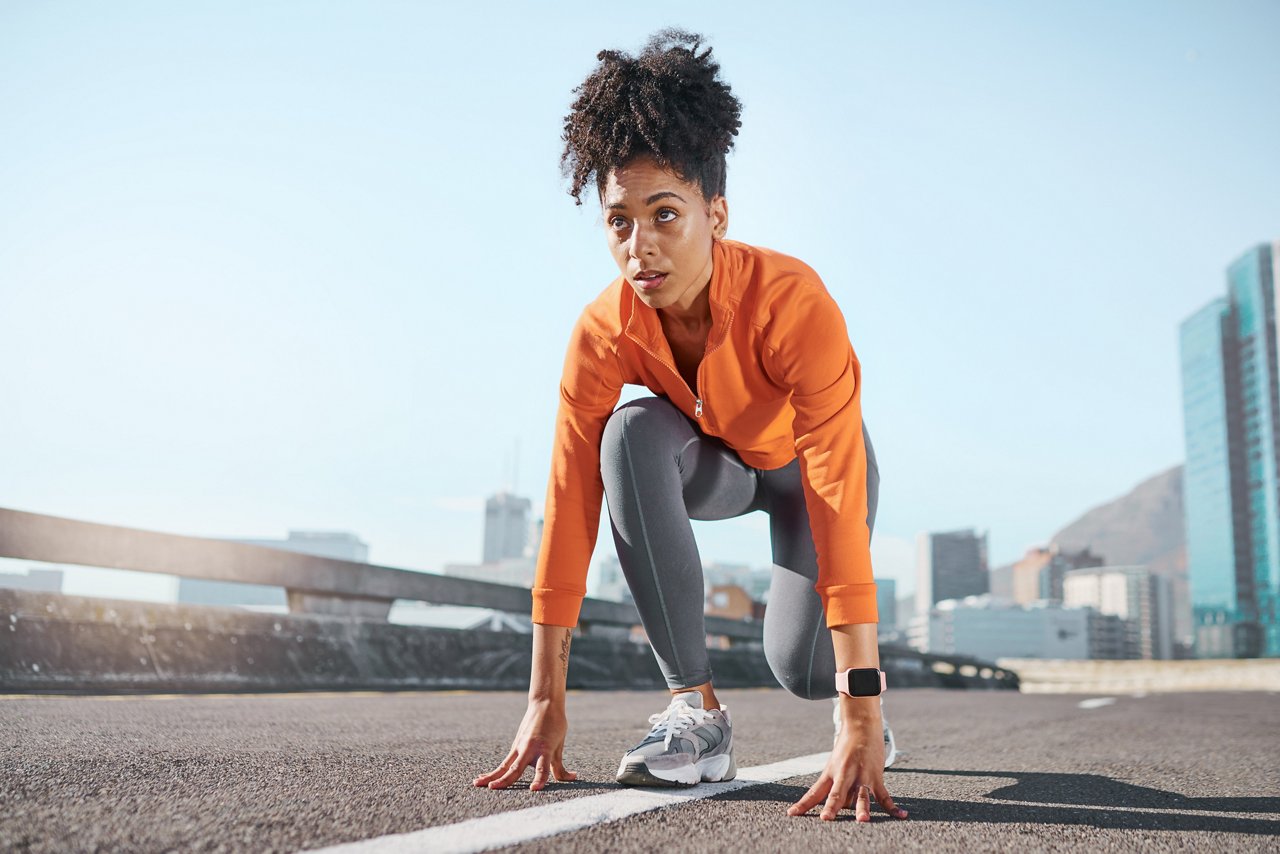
[644, 327]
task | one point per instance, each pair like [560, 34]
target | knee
[795, 674]
[648, 420]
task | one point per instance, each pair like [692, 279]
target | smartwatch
[860, 682]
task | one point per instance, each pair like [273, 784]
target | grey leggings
[660, 471]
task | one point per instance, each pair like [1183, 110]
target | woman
[757, 408]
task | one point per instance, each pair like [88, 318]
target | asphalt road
[982, 771]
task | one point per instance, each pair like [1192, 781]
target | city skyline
[246, 288]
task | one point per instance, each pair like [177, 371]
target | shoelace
[678, 717]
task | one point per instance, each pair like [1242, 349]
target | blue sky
[313, 265]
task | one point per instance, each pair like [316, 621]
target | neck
[693, 317]
[691, 312]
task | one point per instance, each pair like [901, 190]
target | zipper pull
[697, 407]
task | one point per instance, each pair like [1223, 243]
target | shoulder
[768, 264]
[605, 316]
[775, 286]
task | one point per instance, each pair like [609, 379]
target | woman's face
[660, 230]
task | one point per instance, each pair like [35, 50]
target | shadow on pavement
[1060, 799]
[1096, 790]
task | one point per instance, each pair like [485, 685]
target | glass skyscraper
[1231, 415]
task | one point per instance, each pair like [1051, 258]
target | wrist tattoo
[564, 652]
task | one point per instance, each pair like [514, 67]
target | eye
[617, 223]
[666, 215]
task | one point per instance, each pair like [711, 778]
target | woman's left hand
[855, 772]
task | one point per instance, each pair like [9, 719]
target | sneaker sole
[716, 769]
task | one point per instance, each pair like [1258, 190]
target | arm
[589, 389]
[807, 351]
[855, 772]
[540, 739]
[812, 356]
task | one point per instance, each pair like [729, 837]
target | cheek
[621, 258]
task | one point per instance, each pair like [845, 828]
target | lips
[648, 280]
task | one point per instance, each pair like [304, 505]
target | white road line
[1096, 703]
[508, 828]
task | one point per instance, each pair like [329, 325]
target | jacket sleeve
[811, 356]
[590, 387]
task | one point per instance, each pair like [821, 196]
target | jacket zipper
[697, 399]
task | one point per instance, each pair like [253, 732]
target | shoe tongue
[693, 698]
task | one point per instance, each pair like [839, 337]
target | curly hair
[667, 103]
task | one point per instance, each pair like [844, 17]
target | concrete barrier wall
[52, 642]
[1145, 677]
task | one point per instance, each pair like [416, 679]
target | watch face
[864, 683]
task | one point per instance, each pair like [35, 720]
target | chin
[651, 300]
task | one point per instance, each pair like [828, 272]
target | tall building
[1140, 598]
[1231, 419]
[506, 526]
[950, 565]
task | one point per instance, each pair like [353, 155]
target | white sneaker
[890, 746]
[686, 745]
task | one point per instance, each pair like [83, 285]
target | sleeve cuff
[849, 603]
[557, 607]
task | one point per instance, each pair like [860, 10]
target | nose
[642, 241]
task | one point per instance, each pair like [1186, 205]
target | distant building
[1038, 575]
[729, 601]
[887, 605]
[760, 581]
[717, 574]
[1231, 485]
[506, 527]
[39, 580]
[511, 543]
[988, 628]
[1001, 582]
[339, 545]
[613, 584]
[514, 571]
[1109, 637]
[1139, 598]
[950, 565]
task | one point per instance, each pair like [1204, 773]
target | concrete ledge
[1144, 677]
[50, 642]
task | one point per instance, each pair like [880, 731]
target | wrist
[547, 695]
[859, 708]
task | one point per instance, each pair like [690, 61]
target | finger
[540, 773]
[862, 811]
[524, 760]
[886, 803]
[811, 798]
[559, 772]
[835, 801]
[483, 779]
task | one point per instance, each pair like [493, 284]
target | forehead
[638, 180]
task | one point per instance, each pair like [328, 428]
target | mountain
[1142, 527]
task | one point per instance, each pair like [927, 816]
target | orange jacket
[779, 379]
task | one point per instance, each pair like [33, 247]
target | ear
[718, 210]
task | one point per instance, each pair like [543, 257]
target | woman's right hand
[540, 743]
